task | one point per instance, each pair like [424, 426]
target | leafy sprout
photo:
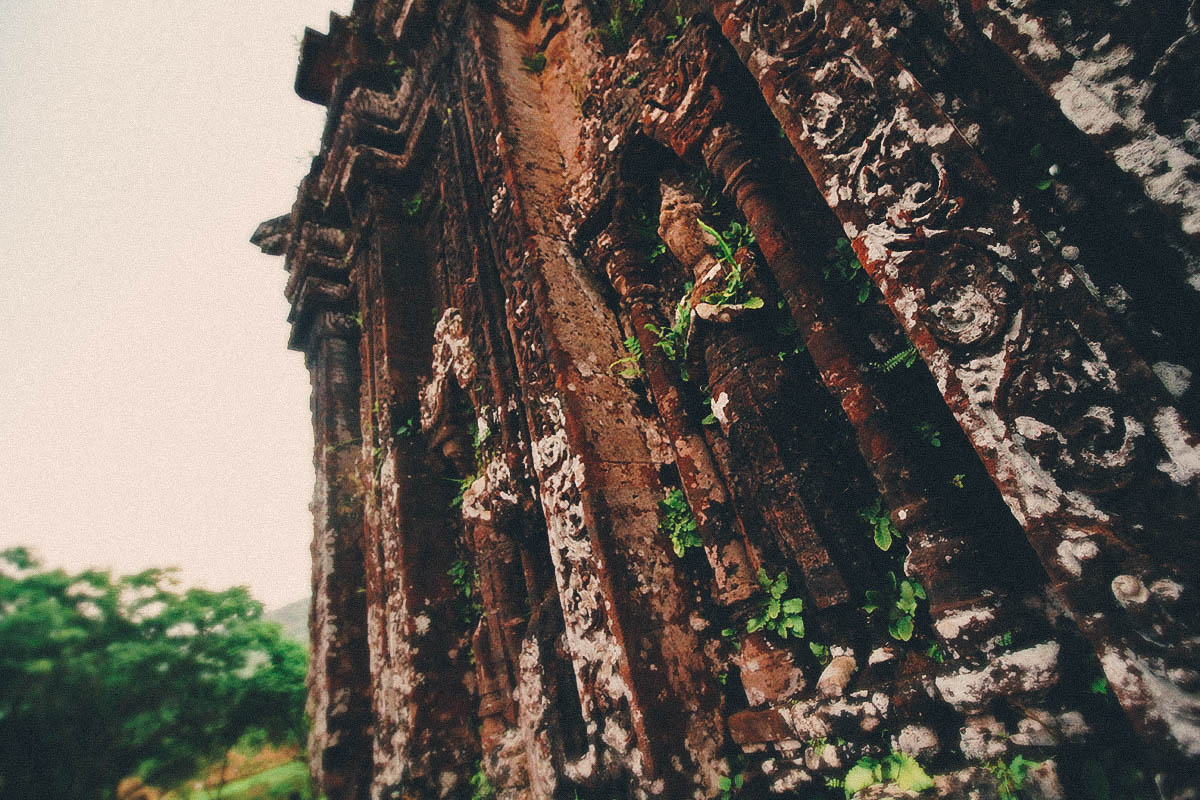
[929, 434]
[707, 399]
[464, 483]
[730, 785]
[534, 63]
[412, 204]
[728, 243]
[466, 581]
[779, 614]
[481, 787]
[898, 768]
[844, 267]
[900, 599]
[672, 340]
[1010, 777]
[678, 522]
[882, 527]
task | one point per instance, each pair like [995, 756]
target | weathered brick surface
[993, 414]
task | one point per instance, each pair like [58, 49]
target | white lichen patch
[952, 624]
[596, 655]
[452, 356]
[533, 699]
[917, 740]
[1101, 94]
[1018, 672]
[1073, 553]
[1175, 377]
[1139, 683]
[983, 738]
[1183, 455]
[719, 405]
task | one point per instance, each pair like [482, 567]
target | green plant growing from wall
[734, 780]
[730, 785]
[333, 448]
[398, 67]
[480, 435]
[680, 23]
[882, 527]
[896, 768]
[779, 614]
[905, 358]
[1045, 173]
[730, 635]
[706, 399]
[630, 366]
[929, 434]
[845, 268]
[408, 428]
[615, 31]
[678, 522]
[1010, 777]
[551, 8]
[734, 238]
[900, 599]
[672, 340]
[481, 787]
[791, 343]
[464, 483]
[534, 63]
[735, 291]
[466, 582]
[377, 460]
[647, 230]
[412, 204]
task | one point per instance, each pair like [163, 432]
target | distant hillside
[294, 619]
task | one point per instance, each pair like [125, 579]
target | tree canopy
[102, 678]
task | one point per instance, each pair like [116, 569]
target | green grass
[276, 783]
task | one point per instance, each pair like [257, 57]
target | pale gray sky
[150, 413]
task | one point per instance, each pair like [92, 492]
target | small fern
[631, 365]
[906, 358]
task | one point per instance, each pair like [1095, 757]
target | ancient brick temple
[752, 399]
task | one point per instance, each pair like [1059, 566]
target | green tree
[102, 678]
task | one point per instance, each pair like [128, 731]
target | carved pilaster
[339, 701]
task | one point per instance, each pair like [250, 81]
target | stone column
[339, 702]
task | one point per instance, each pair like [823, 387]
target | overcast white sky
[150, 413]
